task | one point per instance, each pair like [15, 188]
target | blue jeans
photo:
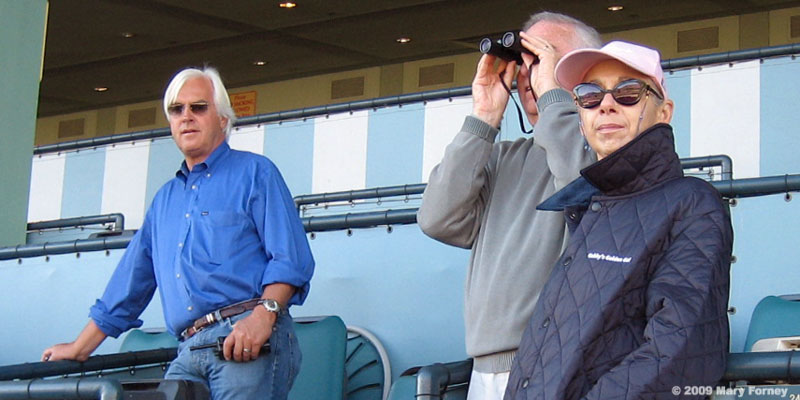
[270, 376]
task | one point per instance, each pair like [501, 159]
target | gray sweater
[483, 196]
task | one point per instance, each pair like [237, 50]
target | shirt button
[596, 207]
[186, 215]
[525, 383]
[546, 322]
[189, 308]
[194, 187]
[208, 175]
[178, 276]
[180, 244]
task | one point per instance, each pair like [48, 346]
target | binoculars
[508, 47]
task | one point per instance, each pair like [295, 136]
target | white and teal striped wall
[404, 286]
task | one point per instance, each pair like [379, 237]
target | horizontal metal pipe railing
[399, 100]
[724, 162]
[95, 363]
[351, 195]
[763, 366]
[752, 187]
[117, 219]
[300, 113]
[359, 220]
[753, 368]
[731, 56]
[72, 246]
[74, 388]
[733, 188]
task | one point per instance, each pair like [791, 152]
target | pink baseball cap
[575, 64]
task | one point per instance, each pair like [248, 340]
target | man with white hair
[223, 243]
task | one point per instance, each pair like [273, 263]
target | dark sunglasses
[627, 93]
[197, 108]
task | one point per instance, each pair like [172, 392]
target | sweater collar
[643, 162]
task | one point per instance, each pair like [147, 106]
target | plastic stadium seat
[321, 375]
[369, 374]
[773, 317]
[137, 340]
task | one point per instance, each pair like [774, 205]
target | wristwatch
[271, 305]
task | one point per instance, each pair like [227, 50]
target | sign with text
[244, 103]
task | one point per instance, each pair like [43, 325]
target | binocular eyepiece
[509, 47]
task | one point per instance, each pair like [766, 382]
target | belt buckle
[210, 318]
[185, 333]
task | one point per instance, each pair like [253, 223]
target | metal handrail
[731, 56]
[399, 100]
[94, 363]
[116, 218]
[754, 368]
[433, 380]
[363, 194]
[730, 188]
[75, 388]
[300, 113]
[721, 160]
[359, 220]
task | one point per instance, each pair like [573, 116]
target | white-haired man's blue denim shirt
[212, 237]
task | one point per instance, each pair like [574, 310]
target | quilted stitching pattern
[637, 303]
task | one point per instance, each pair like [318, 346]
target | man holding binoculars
[483, 195]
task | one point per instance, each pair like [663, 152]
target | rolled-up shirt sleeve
[130, 288]
[282, 235]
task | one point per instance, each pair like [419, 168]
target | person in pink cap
[636, 305]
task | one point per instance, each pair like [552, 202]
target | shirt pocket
[218, 234]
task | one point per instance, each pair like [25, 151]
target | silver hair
[221, 100]
[585, 35]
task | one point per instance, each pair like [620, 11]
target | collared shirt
[213, 236]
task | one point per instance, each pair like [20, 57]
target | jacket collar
[643, 162]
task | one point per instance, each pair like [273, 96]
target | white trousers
[487, 386]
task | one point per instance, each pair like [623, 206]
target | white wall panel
[340, 152]
[47, 185]
[125, 181]
[248, 138]
[443, 120]
[726, 107]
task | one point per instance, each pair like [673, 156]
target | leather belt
[216, 316]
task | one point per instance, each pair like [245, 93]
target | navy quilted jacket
[637, 303]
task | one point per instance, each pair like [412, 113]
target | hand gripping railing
[94, 363]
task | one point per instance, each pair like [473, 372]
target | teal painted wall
[21, 41]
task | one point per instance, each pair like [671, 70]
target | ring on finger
[246, 350]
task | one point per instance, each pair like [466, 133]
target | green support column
[22, 33]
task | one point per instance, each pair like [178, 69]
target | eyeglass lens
[627, 93]
[196, 108]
